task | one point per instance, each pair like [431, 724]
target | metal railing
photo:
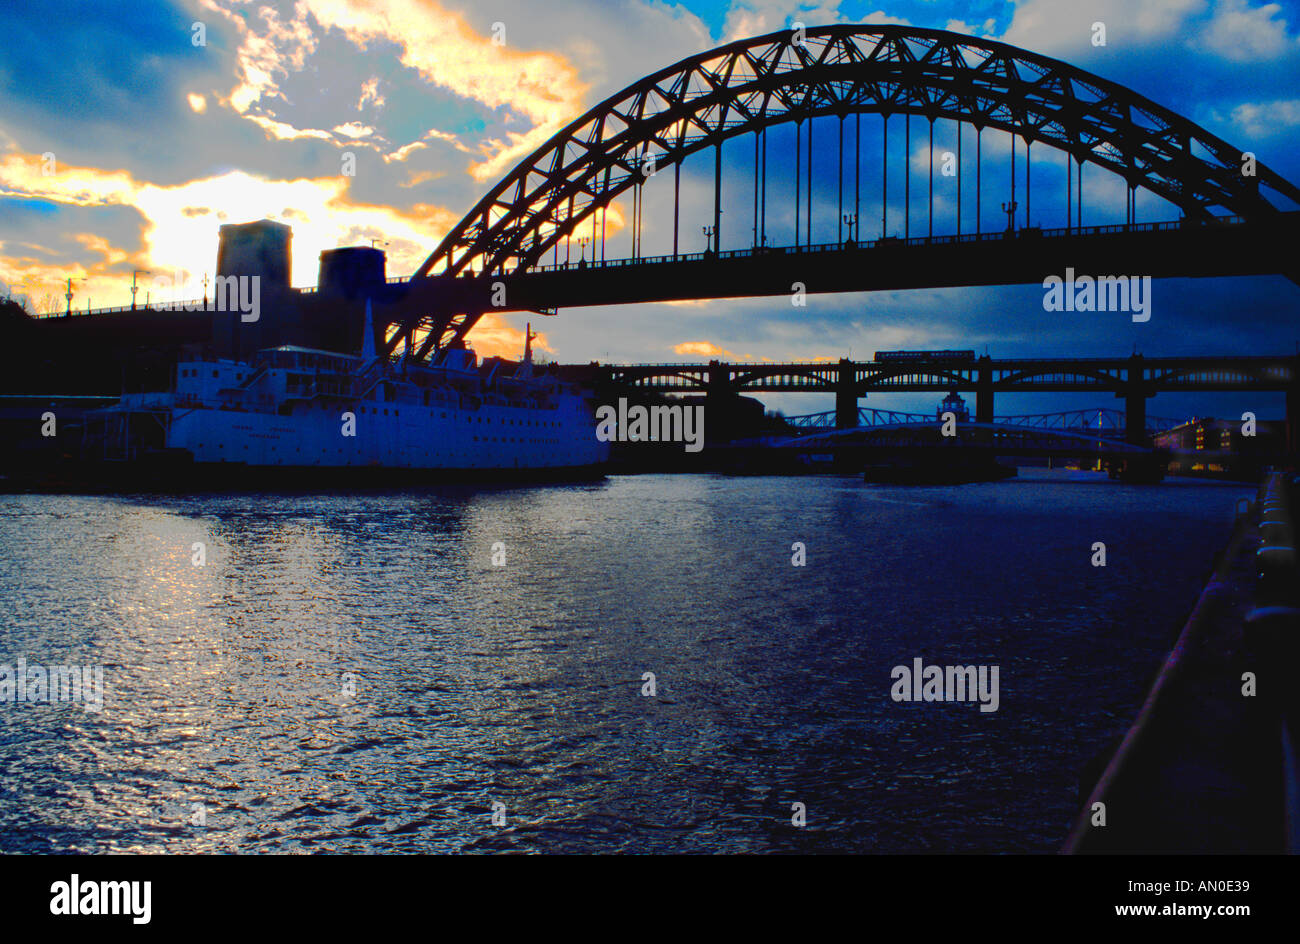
[1032, 233]
[886, 241]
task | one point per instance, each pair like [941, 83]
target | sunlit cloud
[1265, 119]
[181, 221]
[370, 94]
[704, 349]
[541, 87]
[354, 129]
[494, 336]
[757, 17]
[1241, 33]
[448, 53]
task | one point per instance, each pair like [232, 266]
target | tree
[52, 304]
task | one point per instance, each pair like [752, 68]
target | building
[1235, 448]
[249, 306]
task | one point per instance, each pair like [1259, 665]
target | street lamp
[134, 287]
[709, 232]
[1010, 210]
[68, 295]
[850, 220]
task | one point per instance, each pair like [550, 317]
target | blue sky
[157, 140]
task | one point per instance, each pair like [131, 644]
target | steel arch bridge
[1135, 379]
[1115, 375]
[748, 86]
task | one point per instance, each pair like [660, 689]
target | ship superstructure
[298, 407]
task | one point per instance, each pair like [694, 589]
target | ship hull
[397, 437]
[297, 418]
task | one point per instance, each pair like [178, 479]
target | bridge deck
[1026, 257]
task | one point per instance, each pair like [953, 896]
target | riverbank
[1208, 766]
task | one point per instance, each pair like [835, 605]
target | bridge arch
[748, 85]
[685, 375]
[1105, 380]
[879, 380]
[1238, 376]
[818, 375]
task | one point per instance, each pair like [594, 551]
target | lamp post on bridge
[709, 232]
[1010, 210]
[134, 287]
[68, 295]
[850, 220]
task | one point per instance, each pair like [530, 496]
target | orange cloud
[493, 336]
[705, 349]
[181, 222]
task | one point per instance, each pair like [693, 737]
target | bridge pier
[846, 395]
[984, 391]
[1135, 393]
[1135, 418]
[719, 403]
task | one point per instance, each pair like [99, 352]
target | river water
[355, 672]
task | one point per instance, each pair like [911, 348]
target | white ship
[297, 409]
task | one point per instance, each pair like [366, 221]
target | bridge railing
[846, 246]
[191, 304]
[696, 365]
[919, 366]
[850, 245]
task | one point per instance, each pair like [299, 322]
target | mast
[368, 338]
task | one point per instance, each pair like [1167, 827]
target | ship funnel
[368, 338]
